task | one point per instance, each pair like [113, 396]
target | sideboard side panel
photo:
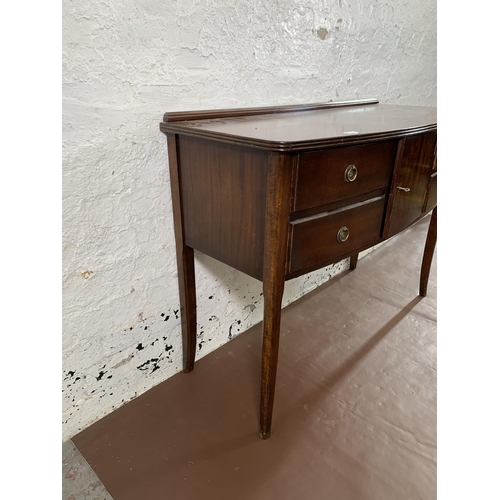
[224, 201]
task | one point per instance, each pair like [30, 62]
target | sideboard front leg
[430, 245]
[279, 181]
[273, 293]
[185, 263]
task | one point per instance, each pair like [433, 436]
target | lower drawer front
[316, 241]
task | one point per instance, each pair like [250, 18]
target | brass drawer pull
[403, 189]
[343, 234]
[350, 174]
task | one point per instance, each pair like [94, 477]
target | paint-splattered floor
[355, 408]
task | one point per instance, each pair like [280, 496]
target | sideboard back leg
[185, 264]
[430, 245]
[353, 261]
[187, 296]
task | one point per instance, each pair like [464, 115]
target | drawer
[315, 241]
[322, 177]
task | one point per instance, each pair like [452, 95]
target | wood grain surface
[314, 129]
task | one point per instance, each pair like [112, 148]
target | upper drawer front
[322, 177]
[321, 240]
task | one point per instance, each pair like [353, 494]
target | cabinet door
[411, 181]
[431, 195]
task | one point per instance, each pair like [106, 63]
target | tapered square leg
[430, 245]
[270, 347]
[185, 264]
[275, 245]
[353, 261]
[187, 296]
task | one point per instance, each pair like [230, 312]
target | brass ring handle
[343, 234]
[350, 174]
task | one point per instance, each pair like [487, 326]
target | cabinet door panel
[411, 181]
[431, 196]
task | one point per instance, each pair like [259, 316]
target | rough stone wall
[127, 62]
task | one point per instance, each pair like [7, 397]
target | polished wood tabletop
[291, 130]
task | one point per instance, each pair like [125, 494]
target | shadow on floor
[355, 407]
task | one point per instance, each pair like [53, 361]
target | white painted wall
[127, 62]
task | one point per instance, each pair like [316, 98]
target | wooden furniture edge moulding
[258, 204]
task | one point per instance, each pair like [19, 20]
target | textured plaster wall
[127, 62]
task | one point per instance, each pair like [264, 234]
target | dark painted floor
[355, 408]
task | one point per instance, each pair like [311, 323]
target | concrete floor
[355, 407]
[79, 480]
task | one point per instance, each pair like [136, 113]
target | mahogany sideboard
[277, 192]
